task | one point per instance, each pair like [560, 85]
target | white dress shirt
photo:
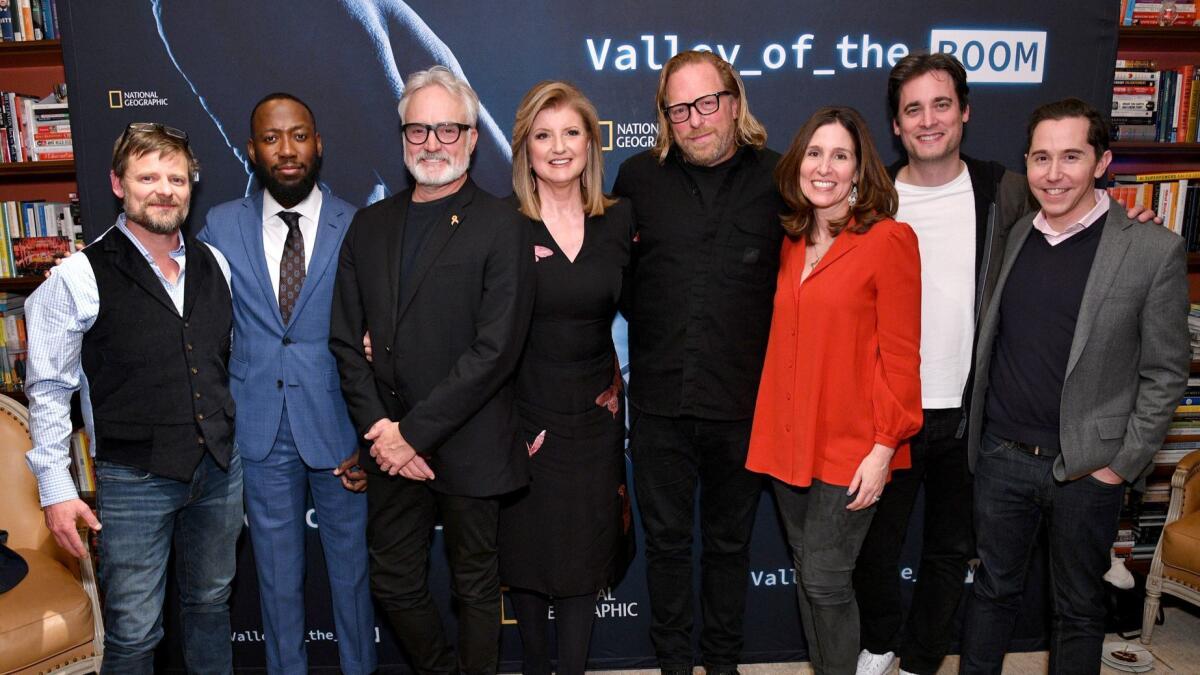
[275, 230]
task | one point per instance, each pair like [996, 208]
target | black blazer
[445, 349]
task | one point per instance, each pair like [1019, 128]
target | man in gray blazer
[1083, 355]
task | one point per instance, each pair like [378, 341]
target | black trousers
[674, 459]
[400, 517]
[939, 462]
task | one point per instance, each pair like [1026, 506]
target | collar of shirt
[1055, 238]
[309, 208]
[179, 255]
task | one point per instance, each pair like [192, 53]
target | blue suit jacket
[271, 362]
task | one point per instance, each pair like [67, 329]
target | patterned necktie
[291, 265]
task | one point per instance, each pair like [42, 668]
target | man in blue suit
[293, 430]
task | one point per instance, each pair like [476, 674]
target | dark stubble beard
[288, 194]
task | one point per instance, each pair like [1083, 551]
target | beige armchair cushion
[47, 613]
[1181, 550]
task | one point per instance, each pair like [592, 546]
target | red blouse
[842, 369]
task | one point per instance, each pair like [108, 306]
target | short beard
[156, 224]
[453, 171]
[716, 155]
[288, 194]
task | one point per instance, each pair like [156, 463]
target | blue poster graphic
[201, 66]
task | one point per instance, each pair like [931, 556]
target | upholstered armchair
[50, 622]
[1176, 565]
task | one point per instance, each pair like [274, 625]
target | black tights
[573, 617]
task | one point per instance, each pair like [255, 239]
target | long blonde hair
[749, 130]
[552, 94]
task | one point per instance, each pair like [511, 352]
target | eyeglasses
[149, 127]
[446, 132]
[705, 105]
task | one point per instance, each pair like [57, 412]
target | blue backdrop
[201, 66]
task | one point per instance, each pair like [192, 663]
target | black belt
[1035, 450]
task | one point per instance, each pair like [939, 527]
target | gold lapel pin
[453, 219]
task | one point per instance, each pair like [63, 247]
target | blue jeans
[1015, 495]
[142, 516]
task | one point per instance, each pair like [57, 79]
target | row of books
[1149, 104]
[1174, 196]
[1145, 512]
[35, 129]
[13, 349]
[26, 20]
[1194, 332]
[33, 235]
[1154, 14]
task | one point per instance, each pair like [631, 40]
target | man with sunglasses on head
[141, 322]
[698, 300]
[439, 276]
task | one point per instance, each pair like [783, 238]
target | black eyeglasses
[705, 105]
[446, 132]
[149, 127]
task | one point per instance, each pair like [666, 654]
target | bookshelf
[1170, 49]
[32, 67]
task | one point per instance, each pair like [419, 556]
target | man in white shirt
[961, 210]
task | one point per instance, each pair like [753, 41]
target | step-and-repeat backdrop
[201, 66]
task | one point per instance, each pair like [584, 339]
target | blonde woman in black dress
[560, 539]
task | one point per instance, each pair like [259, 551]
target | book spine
[1182, 102]
[27, 20]
[6, 24]
[49, 30]
[35, 16]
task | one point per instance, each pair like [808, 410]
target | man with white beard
[439, 276]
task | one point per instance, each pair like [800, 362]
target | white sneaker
[875, 664]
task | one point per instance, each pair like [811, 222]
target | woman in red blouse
[840, 390]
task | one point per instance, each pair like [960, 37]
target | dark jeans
[143, 515]
[825, 538]
[1015, 495]
[672, 457]
[939, 462]
[401, 514]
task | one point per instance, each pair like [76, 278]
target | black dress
[562, 535]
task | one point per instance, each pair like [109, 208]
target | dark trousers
[939, 462]
[1015, 495]
[673, 458]
[573, 619]
[825, 538]
[400, 517]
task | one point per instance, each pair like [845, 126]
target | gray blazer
[1130, 355]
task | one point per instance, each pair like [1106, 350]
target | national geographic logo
[621, 135]
[608, 606]
[135, 99]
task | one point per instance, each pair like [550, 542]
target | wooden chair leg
[1149, 614]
